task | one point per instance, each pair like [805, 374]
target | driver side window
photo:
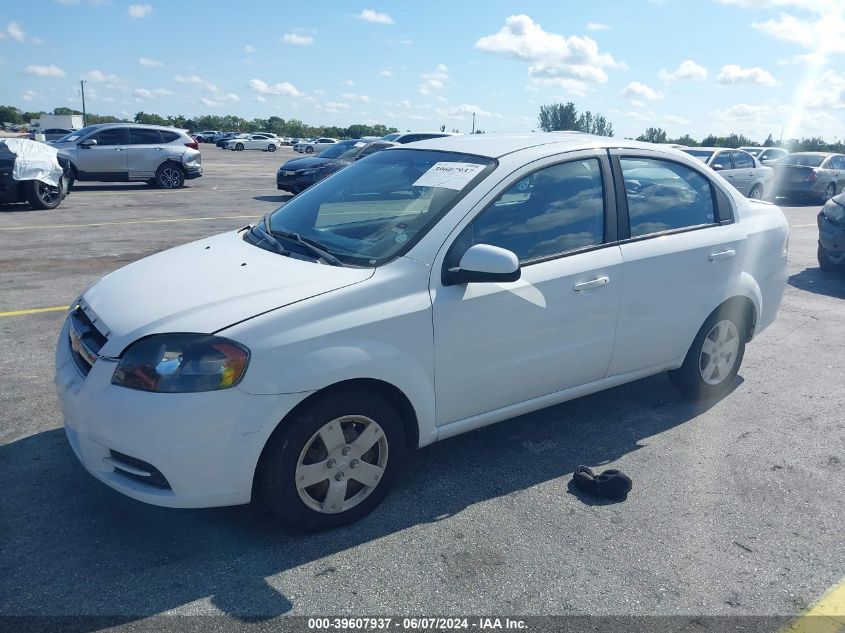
[552, 211]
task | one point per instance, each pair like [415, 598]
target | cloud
[28, 95]
[14, 30]
[139, 10]
[571, 62]
[368, 15]
[347, 82]
[637, 93]
[249, 48]
[827, 92]
[827, 33]
[98, 76]
[219, 100]
[196, 80]
[434, 80]
[598, 26]
[386, 72]
[297, 40]
[688, 69]
[734, 74]
[333, 107]
[148, 94]
[677, 120]
[353, 97]
[463, 111]
[44, 71]
[150, 63]
[260, 98]
[281, 88]
[37, 40]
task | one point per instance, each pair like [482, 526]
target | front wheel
[713, 359]
[309, 150]
[830, 262]
[334, 462]
[42, 196]
[170, 176]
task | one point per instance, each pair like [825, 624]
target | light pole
[82, 87]
[473, 122]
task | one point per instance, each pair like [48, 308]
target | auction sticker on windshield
[449, 175]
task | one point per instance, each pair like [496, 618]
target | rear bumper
[798, 189]
[193, 172]
[831, 236]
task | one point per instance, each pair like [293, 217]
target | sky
[689, 66]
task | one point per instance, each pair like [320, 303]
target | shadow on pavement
[818, 281]
[72, 546]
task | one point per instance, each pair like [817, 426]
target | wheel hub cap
[719, 352]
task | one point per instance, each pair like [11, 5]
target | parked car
[298, 174]
[50, 134]
[205, 137]
[299, 146]
[412, 137]
[831, 221]
[161, 156]
[316, 146]
[263, 142]
[739, 168]
[223, 141]
[766, 155]
[299, 358]
[30, 172]
[817, 175]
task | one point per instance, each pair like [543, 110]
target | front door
[499, 344]
[107, 160]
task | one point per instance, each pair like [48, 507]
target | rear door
[723, 163]
[107, 160]
[146, 152]
[746, 174]
[681, 248]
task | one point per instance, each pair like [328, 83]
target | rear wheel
[239, 147]
[829, 192]
[170, 176]
[714, 358]
[42, 196]
[831, 262]
[332, 463]
[271, 148]
[756, 192]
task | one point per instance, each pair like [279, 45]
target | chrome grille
[84, 338]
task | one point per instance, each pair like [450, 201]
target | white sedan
[316, 146]
[265, 142]
[420, 293]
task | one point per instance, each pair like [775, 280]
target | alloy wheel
[48, 195]
[170, 178]
[719, 352]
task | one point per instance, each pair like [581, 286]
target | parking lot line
[33, 311]
[801, 226]
[827, 615]
[121, 222]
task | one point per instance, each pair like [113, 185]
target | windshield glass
[78, 134]
[365, 214]
[701, 154]
[391, 137]
[754, 151]
[337, 149]
[804, 160]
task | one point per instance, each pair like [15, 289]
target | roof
[498, 145]
[813, 153]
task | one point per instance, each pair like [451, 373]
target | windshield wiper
[309, 245]
[265, 236]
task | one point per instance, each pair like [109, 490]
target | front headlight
[181, 363]
[309, 172]
[834, 211]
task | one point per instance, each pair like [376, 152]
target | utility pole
[82, 86]
[473, 122]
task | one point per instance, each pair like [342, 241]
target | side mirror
[88, 142]
[718, 167]
[484, 263]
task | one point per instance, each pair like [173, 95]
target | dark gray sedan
[817, 175]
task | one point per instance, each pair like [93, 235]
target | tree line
[564, 116]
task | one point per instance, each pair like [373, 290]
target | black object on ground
[612, 483]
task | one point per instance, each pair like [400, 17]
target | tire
[41, 196]
[271, 148]
[297, 450]
[309, 150]
[70, 176]
[170, 176]
[826, 262]
[727, 329]
[239, 147]
[756, 192]
[829, 192]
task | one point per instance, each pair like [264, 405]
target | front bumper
[831, 235]
[294, 184]
[203, 447]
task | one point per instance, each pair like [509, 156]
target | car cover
[34, 161]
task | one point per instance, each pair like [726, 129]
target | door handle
[715, 257]
[158, 149]
[593, 283]
[120, 149]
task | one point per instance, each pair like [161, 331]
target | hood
[303, 163]
[206, 286]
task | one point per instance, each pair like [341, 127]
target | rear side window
[743, 161]
[169, 137]
[837, 162]
[144, 136]
[723, 160]
[552, 211]
[663, 196]
[113, 136]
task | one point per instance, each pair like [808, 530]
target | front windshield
[365, 214]
[338, 149]
[702, 154]
[803, 160]
[391, 137]
[78, 134]
[754, 151]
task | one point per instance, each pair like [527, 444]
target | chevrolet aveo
[425, 291]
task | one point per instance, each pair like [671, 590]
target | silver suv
[120, 152]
